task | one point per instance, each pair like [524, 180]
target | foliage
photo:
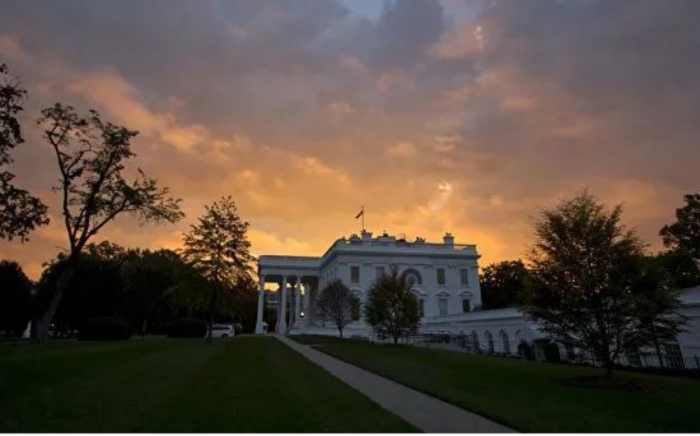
[20, 212]
[525, 350]
[503, 283]
[15, 297]
[684, 234]
[105, 329]
[187, 328]
[582, 273]
[218, 248]
[657, 303]
[550, 349]
[339, 305]
[91, 155]
[391, 307]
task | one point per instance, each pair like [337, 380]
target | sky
[467, 116]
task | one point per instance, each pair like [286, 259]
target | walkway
[422, 411]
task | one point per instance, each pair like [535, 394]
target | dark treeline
[149, 289]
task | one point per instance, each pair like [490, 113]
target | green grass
[529, 396]
[246, 384]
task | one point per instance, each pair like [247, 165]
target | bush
[525, 350]
[105, 329]
[550, 350]
[187, 328]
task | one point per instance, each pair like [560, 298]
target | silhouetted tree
[391, 307]
[502, 284]
[657, 304]
[20, 212]
[583, 275]
[15, 296]
[218, 248]
[338, 304]
[91, 156]
[684, 234]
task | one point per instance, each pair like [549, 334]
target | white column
[261, 299]
[297, 304]
[307, 303]
[292, 293]
[283, 303]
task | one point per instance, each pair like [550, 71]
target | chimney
[448, 239]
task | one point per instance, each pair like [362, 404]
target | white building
[445, 278]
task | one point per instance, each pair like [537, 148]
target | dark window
[441, 276]
[466, 305]
[354, 274]
[380, 272]
[442, 304]
[421, 307]
[464, 277]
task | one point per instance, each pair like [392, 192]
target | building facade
[444, 276]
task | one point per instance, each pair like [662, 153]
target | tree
[582, 272]
[218, 248]
[339, 305]
[15, 296]
[657, 304]
[91, 156]
[391, 307]
[684, 234]
[503, 283]
[20, 212]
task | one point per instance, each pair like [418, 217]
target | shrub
[550, 350]
[187, 328]
[105, 329]
[525, 350]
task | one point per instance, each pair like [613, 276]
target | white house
[445, 279]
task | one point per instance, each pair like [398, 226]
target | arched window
[505, 342]
[489, 341]
[412, 277]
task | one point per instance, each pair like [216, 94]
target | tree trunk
[340, 329]
[44, 321]
[396, 339]
[657, 346]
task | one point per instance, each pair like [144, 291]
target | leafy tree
[503, 283]
[680, 268]
[20, 212]
[657, 304]
[582, 271]
[684, 234]
[15, 296]
[339, 305]
[391, 307]
[91, 156]
[218, 248]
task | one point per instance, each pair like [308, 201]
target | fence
[671, 360]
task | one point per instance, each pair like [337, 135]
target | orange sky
[437, 116]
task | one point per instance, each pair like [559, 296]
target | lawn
[246, 384]
[530, 396]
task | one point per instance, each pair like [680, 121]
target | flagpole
[363, 218]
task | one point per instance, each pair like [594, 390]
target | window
[354, 274]
[464, 277]
[380, 272]
[441, 276]
[421, 307]
[466, 305]
[442, 302]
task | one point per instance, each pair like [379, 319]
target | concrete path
[422, 411]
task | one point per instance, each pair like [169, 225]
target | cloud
[437, 116]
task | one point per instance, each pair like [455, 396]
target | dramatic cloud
[450, 115]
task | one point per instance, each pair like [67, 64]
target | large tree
[20, 212]
[684, 234]
[502, 284]
[582, 277]
[218, 247]
[15, 297]
[657, 303]
[338, 304]
[391, 307]
[91, 155]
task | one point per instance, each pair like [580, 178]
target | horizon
[437, 116]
